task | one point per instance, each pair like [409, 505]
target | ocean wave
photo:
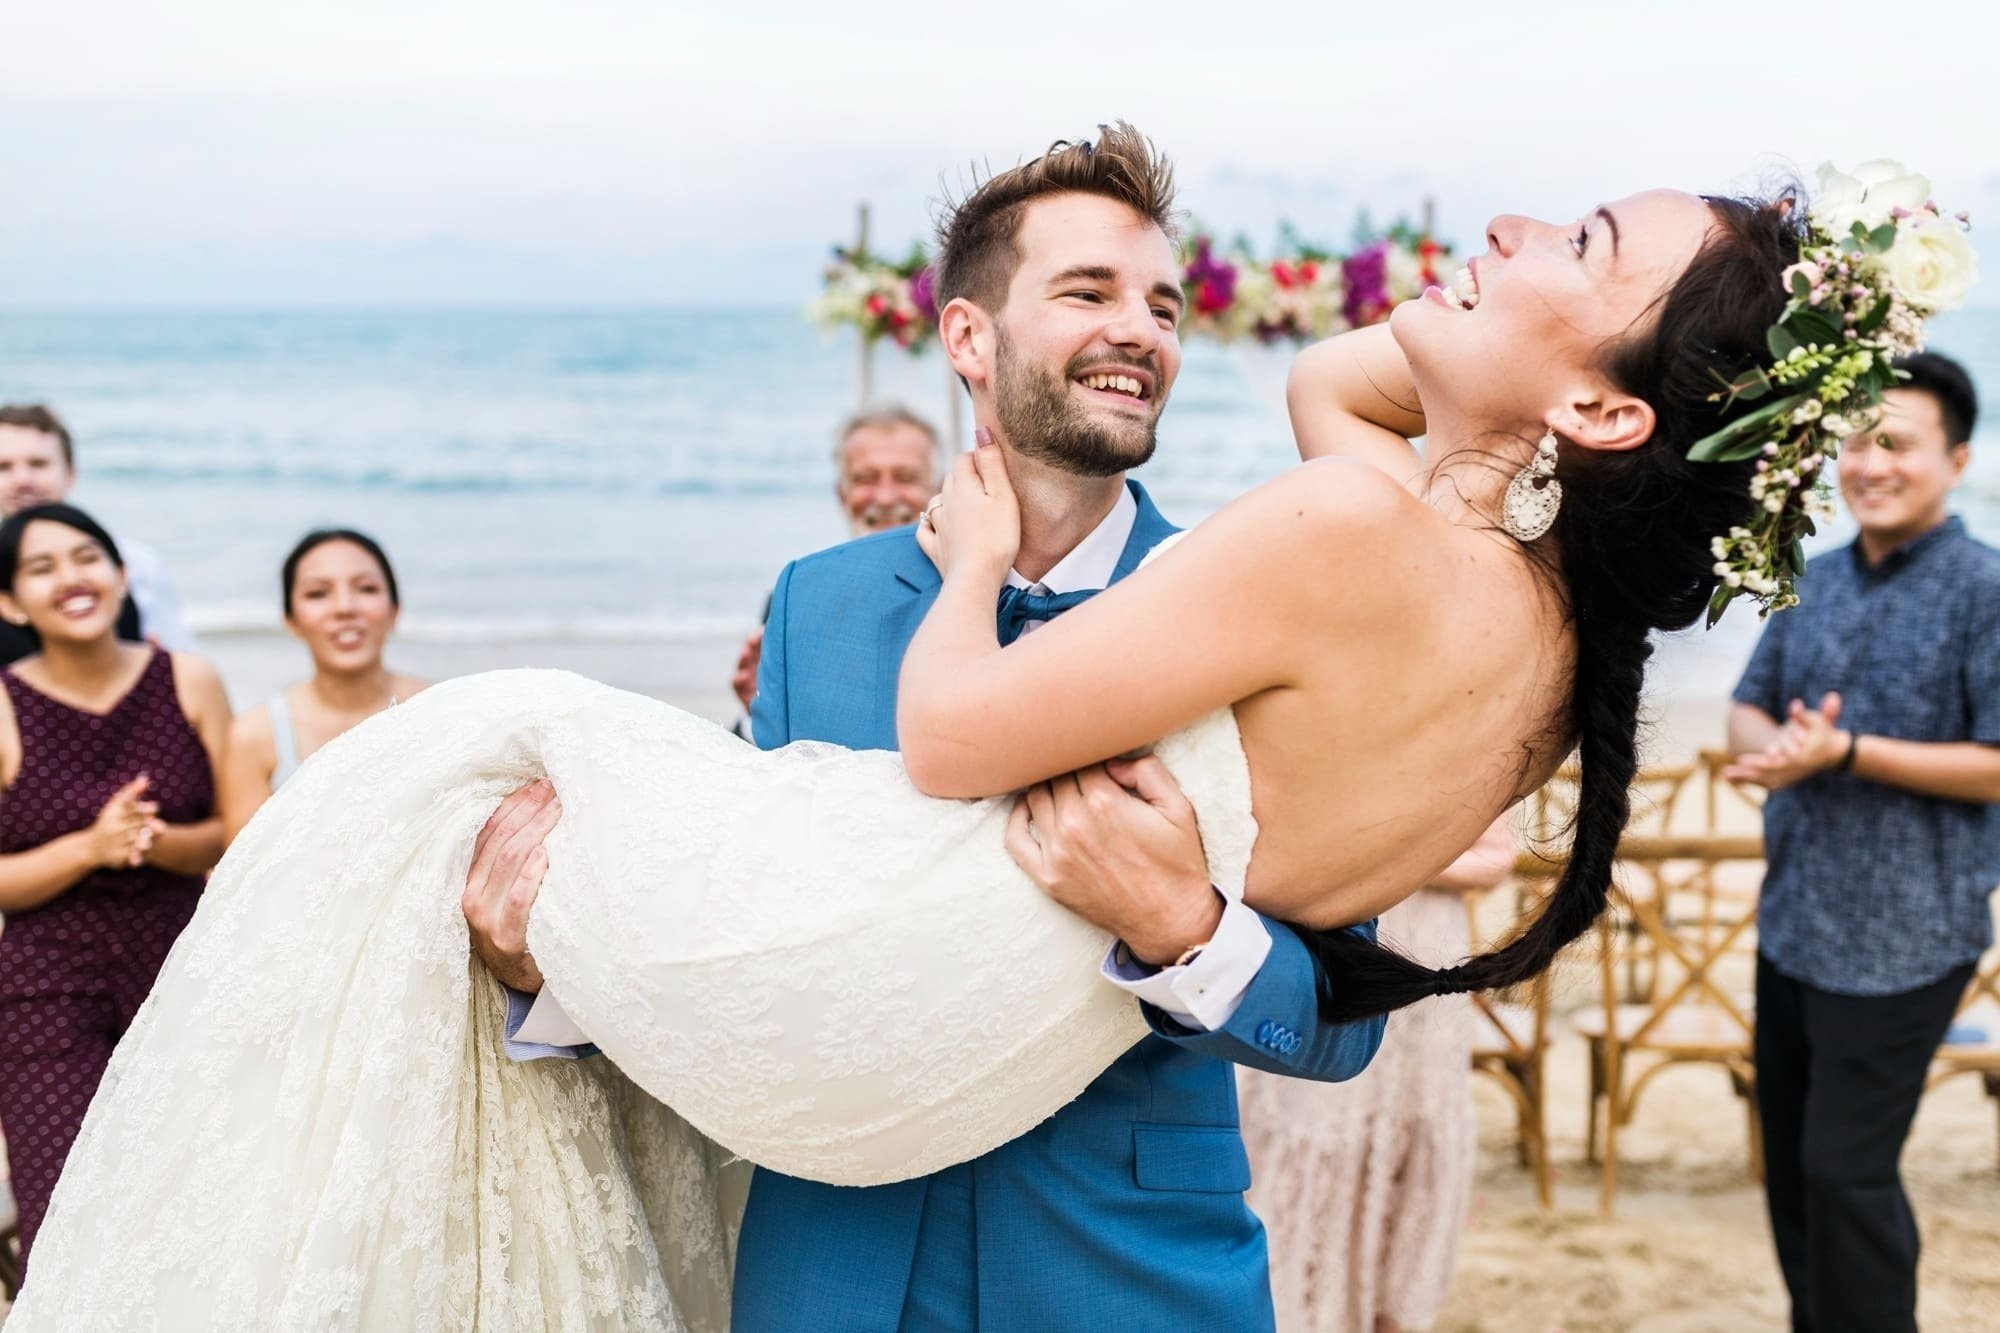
[433, 480]
[245, 621]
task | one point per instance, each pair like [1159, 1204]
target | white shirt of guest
[1204, 993]
[153, 593]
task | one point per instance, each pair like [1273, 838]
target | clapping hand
[974, 527]
[1808, 743]
[124, 829]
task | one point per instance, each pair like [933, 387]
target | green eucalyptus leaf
[1876, 314]
[1810, 326]
[1781, 343]
[1743, 437]
[1801, 287]
[1881, 238]
[1719, 603]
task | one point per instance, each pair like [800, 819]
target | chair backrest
[1686, 925]
[1532, 995]
[1728, 805]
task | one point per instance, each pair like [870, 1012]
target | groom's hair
[977, 254]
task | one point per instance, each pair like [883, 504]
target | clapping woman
[107, 827]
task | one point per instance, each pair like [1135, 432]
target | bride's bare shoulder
[1341, 507]
[1333, 531]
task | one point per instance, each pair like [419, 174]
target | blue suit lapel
[1149, 529]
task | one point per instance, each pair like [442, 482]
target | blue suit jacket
[1122, 1212]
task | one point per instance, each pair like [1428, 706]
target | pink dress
[1364, 1186]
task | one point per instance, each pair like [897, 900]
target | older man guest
[1872, 714]
[887, 467]
[38, 466]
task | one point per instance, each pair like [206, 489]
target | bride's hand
[973, 529]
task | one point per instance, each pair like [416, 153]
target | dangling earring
[1534, 495]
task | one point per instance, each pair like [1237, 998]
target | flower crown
[1879, 259]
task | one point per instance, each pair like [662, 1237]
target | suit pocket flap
[1210, 1159]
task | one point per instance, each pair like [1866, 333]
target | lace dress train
[791, 958]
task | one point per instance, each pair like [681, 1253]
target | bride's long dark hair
[1629, 554]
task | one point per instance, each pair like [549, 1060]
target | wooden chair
[1510, 1044]
[1683, 1013]
[1981, 1007]
[1660, 801]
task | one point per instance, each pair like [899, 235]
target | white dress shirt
[1202, 994]
[153, 593]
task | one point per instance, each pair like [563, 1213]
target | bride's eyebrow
[1612, 223]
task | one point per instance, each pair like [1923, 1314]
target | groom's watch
[1191, 954]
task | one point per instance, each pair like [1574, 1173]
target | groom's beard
[1040, 418]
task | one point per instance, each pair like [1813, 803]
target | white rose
[1403, 272]
[1869, 196]
[1932, 264]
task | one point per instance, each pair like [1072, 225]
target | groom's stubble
[1039, 418]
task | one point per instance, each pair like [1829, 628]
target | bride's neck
[1470, 468]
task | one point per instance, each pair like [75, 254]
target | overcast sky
[552, 152]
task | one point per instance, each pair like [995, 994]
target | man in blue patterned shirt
[1872, 714]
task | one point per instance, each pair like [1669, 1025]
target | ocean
[611, 492]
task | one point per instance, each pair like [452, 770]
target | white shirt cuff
[1205, 993]
[547, 1024]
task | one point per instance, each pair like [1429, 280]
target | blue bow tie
[1018, 606]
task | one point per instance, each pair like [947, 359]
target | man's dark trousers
[1838, 1080]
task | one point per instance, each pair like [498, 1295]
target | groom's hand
[1118, 845]
[506, 873]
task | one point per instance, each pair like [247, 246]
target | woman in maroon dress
[107, 827]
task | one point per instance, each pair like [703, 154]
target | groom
[1125, 1209]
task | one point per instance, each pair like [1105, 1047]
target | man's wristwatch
[1192, 954]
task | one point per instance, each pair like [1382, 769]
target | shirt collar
[1092, 561]
[1953, 526]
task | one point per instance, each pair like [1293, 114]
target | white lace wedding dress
[792, 958]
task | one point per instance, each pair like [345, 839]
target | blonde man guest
[887, 468]
[1363, 1186]
[341, 601]
[38, 466]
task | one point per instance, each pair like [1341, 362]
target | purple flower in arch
[1213, 280]
[923, 293]
[1367, 279]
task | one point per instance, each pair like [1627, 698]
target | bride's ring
[929, 519]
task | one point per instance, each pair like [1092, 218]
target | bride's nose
[1506, 232]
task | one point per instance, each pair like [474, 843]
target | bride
[311, 1123]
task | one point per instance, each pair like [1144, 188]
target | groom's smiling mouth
[1119, 384]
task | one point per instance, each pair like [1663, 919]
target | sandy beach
[1688, 1248]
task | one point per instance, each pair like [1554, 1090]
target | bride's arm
[1352, 396]
[1217, 619]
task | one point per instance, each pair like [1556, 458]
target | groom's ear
[970, 338]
